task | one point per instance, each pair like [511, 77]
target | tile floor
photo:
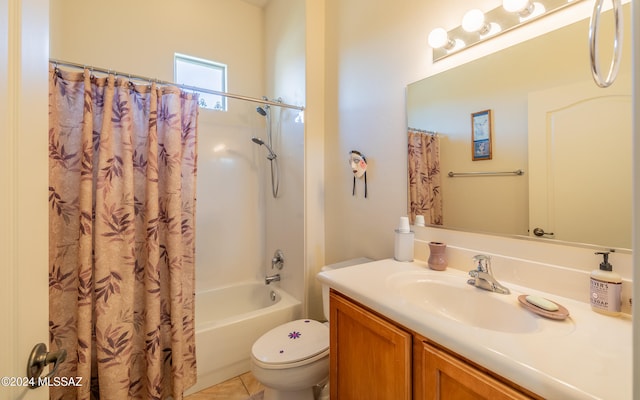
[243, 387]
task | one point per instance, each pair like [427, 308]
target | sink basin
[451, 297]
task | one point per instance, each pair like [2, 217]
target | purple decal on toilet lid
[294, 335]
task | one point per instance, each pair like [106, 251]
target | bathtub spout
[271, 278]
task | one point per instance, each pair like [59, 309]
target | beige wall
[148, 34]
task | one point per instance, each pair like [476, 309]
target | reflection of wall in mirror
[489, 204]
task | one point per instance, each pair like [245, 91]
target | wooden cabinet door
[441, 376]
[370, 357]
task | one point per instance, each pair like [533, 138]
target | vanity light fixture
[478, 26]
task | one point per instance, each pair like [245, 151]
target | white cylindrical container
[403, 249]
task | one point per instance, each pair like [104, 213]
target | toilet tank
[325, 288]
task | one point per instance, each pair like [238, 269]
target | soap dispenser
[606, 288]
[403, 250]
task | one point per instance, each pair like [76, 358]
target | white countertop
[589, 356]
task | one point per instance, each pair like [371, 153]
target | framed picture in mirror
[481, 132]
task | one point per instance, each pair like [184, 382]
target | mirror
[521, 85]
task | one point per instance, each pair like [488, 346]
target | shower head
[260, 142]
[262, 110]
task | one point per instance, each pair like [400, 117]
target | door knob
[541, 232]
[40, 358]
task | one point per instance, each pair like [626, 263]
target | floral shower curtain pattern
[122, 161]
[424, 194]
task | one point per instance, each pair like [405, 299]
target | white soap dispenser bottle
[403, 250]
[606, 288]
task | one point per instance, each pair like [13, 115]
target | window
[204, 74]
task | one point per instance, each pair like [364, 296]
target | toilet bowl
[293, 358]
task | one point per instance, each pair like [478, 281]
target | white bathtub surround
[539, 264]
[584, 357]
[229, 320]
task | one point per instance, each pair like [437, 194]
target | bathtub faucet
[271, 278]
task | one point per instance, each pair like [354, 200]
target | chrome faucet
[276, 262]
[278, 259]
[482, 277]
[271, 278]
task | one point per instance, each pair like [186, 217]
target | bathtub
[228, 320]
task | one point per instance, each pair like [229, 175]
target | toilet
[292, 359]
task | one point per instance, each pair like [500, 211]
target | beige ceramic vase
[437, 257]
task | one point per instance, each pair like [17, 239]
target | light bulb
[473, 21]
[439, 38]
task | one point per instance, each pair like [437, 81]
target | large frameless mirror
[571, 139]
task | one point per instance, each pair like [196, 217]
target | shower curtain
[122, 161]
[424, 196]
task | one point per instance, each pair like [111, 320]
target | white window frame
[222, 68]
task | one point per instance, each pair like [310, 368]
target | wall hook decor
[358, 164]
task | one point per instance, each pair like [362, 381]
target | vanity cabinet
[374, 358]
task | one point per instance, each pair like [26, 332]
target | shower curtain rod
[187, 87]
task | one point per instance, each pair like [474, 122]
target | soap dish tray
[560, 314]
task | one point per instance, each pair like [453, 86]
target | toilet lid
[292, 342]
